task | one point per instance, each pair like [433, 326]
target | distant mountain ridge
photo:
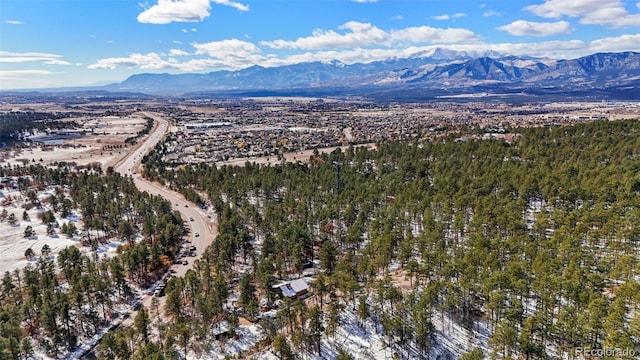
[437, 70]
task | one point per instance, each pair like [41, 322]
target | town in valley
[248, 242]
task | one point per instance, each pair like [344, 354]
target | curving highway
[202, 224]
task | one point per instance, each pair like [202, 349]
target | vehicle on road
[185, 262]
[190, 218]
[196, 234]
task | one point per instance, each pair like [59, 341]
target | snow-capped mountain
[434, 69]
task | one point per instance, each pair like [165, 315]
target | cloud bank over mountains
[93, 42]
[362, 42]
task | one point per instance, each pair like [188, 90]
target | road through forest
[203, 222]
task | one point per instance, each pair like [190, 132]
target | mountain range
[434, 73]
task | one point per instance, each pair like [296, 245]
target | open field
[100, 140]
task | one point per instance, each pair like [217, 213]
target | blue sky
[53, 43]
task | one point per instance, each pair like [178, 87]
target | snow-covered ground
[13, 244]
[248, 336]
[88, 144]
[366, 342]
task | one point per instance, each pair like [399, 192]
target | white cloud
[360, 43]
[178, 52]
[551, 49]
[365, 34]
[490, 13]
[595, 12]
[151, 61]
[232, 48]
[13, 22]
[13, 57]
[365, 1]
[233, 4]
[57, 62]
[558, 8]
[228, 54]
[529, 28]
[427, 34]
[167, 11]
[441, 17]
[359, 34]
[616, 44]
[614, 17]
[203, 64]
[397, 17]
[449, 17]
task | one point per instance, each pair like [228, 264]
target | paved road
[202, 223]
